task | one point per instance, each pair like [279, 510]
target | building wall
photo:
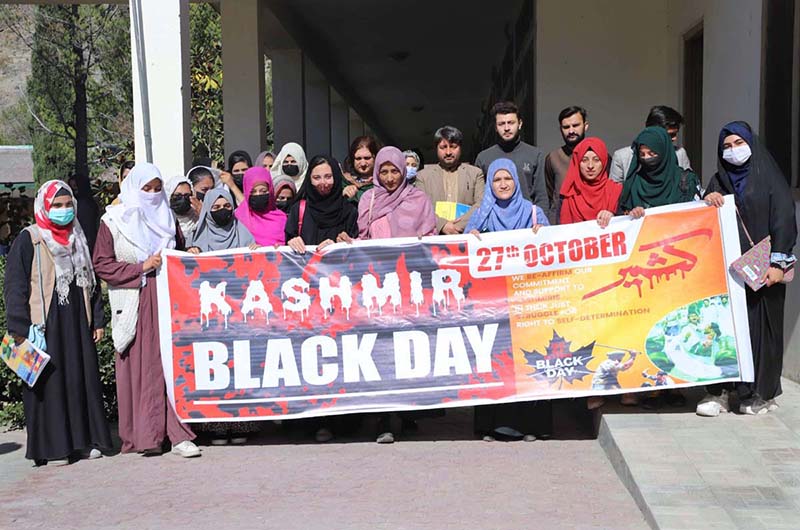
[608, 56]
[731, 64]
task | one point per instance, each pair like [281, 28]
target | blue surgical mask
[61, 216]
[411, 172]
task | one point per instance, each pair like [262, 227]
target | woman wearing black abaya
[747, 171]
[50, 280]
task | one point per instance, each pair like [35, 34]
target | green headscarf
[662, 185]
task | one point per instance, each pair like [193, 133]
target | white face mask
[737, 155]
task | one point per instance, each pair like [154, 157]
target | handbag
[752, 266]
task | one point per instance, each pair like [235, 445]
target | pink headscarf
[407, 209]
[267, 227]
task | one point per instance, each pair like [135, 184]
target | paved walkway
[688, 472]
[440, 479]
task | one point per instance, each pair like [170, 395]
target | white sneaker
[94, 454]
[772, 405]
[711, 406]
[186, 449]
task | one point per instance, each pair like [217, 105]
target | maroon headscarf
[408, 209]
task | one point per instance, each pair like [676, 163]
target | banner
[448, 321]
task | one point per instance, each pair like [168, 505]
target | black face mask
[291, 170]
[180, 204]
[222, 216]
[200, 195]
[283, 205]
[238, 179]
[258, 203]
[650, 164]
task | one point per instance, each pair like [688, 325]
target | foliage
[78, 95]
[205, 72]
[11, 412]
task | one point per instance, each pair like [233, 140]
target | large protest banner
[455, 320]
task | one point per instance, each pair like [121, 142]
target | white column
[287, 96]
[165, 49]
[356, 125]
[243, 77]
[340, 126]
[317, 110]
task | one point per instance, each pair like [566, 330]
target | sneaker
[93, 454]
[595, 402]
[58, 462]
[529, 438]
[711, 406]
[155, 451]
[239, 440]
[488, 438]
[323, 435]
[219, 441]
[674, 398]
[385, 438]
[772, 405]
[754, 406]
[629, 400]
[186, 449]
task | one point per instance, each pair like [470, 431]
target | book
[25, 360]
[451, 210]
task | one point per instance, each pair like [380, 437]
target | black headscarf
[765, 199]
[331, 211]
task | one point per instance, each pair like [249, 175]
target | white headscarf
[71, 252]
[295, 151]
[187, 222]
[144, 219]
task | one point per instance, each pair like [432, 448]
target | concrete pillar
[317, 110]
[243, 74]
[287, 96]
[340, 126]
[165, 51]
[356, 125]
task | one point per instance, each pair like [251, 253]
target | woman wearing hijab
[321, 214]
[259, 213]
[285, 192]
[393, 207]
[217, 227]
[128, 252]
[265, 159]
[50, 281]
[746, 170]
[655, 178]
[504, 208]
[291, 162]
[587, 192]
[361, 159]
[183, 204]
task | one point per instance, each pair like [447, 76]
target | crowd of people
[54, 270]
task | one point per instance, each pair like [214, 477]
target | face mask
[238, 179]
[291, 170]
[222, 216]
[180, 204]
[258, 203]
[283, 205]
[737, 155]
[61, 216]
[650, 164]
[411, 172]
[200, 195]
[153, 199]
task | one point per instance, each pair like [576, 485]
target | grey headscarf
[209, 236]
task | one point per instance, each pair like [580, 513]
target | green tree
[205, 71]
